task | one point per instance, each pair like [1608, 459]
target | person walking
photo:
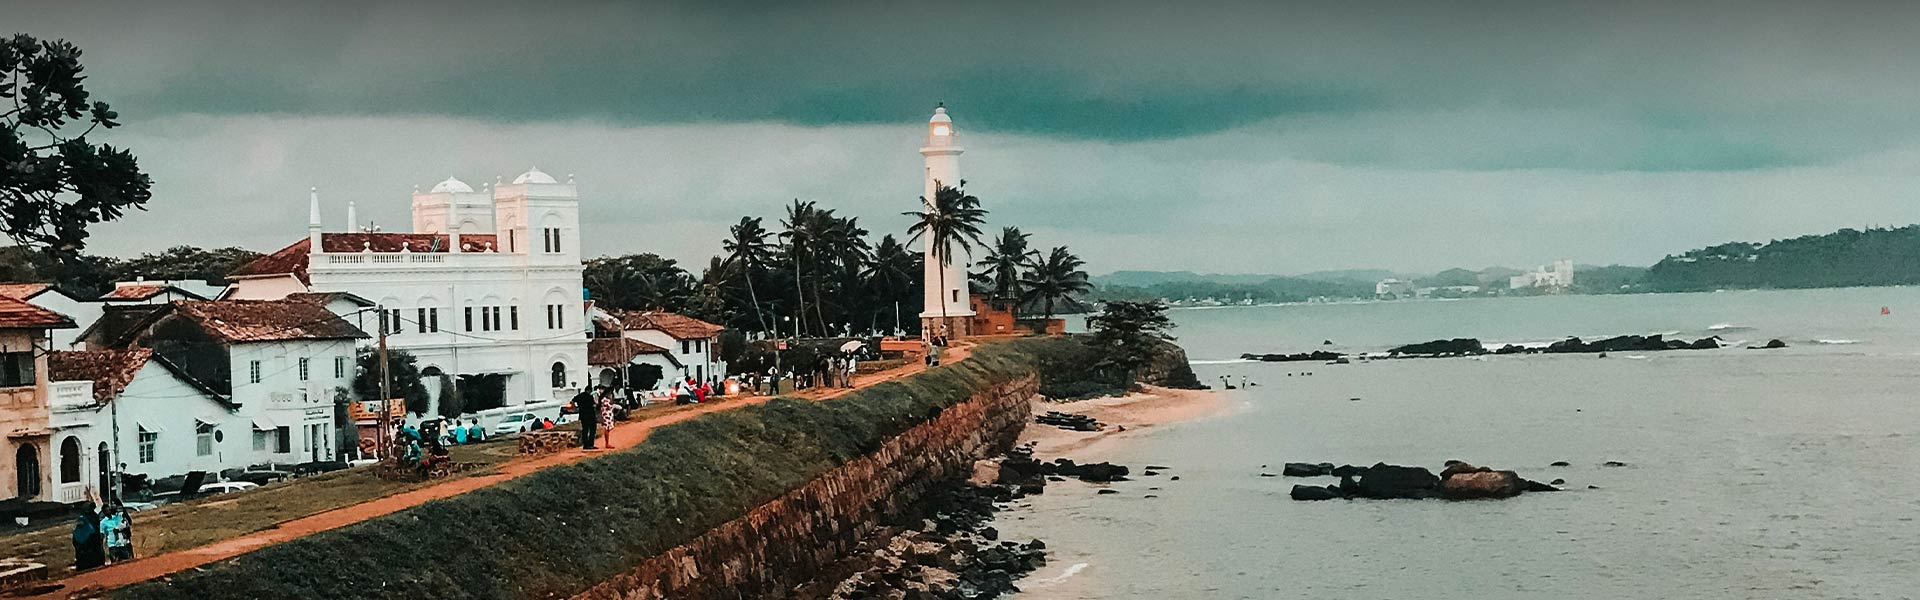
[89, 547]
[116, 529]
[589, 413]
[606, 417]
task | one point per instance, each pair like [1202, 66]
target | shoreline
[1069, 573]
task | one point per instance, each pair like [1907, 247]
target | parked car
[515, 423]
[226, 487]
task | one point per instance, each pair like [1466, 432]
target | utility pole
[386, 392]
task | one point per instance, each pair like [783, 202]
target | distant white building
[691, 344]
[44, 295]
[486, 309]
[123, 411]
[1553, 277]
[1391, 288]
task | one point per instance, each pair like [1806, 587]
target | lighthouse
[949, 310]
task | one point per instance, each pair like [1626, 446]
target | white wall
[266, 287]
[301, 410]
[83, 314]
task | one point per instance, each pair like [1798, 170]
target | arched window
[70, 460]
[26, 471]
[559, 375]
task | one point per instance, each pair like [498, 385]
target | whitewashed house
[127, 411]
[627, 363]
[281, 363]
[141, 291]
[44, 295]
[1553, 277]
[27, 461]
[693, 344]
[485, 291]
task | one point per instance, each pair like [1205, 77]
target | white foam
[1063, 576]
[1836, 342]
[1229, 361]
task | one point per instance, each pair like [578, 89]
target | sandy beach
[1125, 417]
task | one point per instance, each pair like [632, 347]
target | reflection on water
[1764, 474]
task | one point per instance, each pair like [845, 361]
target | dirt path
[624, 435]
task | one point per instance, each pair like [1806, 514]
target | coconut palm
[892, 274]
[951, 218]
[1056, 278]
[748, 251]
[1001, 268]
[800, 236]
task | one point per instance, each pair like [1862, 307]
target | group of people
[692, 391]
[832, 371]
[102, 537]
[471, 433]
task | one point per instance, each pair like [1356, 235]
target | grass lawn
[207, 520]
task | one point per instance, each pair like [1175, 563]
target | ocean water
[1751, 474]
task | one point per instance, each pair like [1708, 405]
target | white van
[508, 420]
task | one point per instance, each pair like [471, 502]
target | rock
[1107, 491]
[1157, 468]
[1315, 492]
[1560, 463]
[1557, 482]
[1385, 481]
[1455, 467]
[1613, 463]
[1535, 486]
[1174, 478]
[1267, 475]
[1306, 469]
[1096, 472]
[1347, 471]
[1149, 473]
[1471, 485]
[1593, 487]
[1320, 355]
[1453, 347]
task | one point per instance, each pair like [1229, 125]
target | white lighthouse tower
[949, 310]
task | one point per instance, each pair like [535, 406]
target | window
[16, 369]
[426, 320]
[339, 367]
[394, 324]
[490, 318]
[469, 313]
[556, 316]
[686, 347]
[70, 460]
[433, 320]
[513, 317]
[305, 372]
[550, 241]
[260, 437]
[559, 375]
[253, 371]
[283, 439]
[420, 319]
[148, 440]
[203, 439]
[956, 296]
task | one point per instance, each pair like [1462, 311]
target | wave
[1075, 569]
[1836, 342]
[1228, 361]
[1727, 327]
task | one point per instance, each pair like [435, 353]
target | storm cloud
[1222, 136]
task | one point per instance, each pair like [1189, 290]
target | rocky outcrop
[1453, 347]
[1317, 355]
[1458, 481]
[1572, 345]
[1170, 369]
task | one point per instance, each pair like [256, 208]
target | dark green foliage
[87, 276]
[556, 532]
[1054, 282]
[1277, 289]
[1000, 270]
[1128, 336]
[1847, 257]
[403, 377]
[54, 183]
[638, 282]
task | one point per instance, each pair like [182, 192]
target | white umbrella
[851, 346]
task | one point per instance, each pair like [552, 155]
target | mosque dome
[452, 185]
[534, 175]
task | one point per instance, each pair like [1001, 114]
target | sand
[1125, 417]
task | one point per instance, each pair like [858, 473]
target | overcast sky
[1230, 137]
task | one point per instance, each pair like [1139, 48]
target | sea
[1785, 473]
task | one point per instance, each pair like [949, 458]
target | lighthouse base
[952, 327]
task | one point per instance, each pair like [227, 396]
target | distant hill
[1848, 257]
[1147, 278]
[1363, 275]
[1610, 279]
[1273, 289]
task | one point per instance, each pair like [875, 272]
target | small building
[284, 363]
[25, 411]
[1552, 278]
[141, 291]
[1393, 289]
[127, 411]
[627, 363]
[692, 343]
[83, 311]
[989, 319]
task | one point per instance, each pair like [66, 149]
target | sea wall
[742, 503]
[788, 541]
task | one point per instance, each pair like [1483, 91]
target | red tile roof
[293, 258]
[680, 326]
[23, 291]
[608, 351]
[109, 370]
[267, 320]
[134, 292]
[17, 314]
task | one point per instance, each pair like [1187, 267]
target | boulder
[1306, 469]
[1348, 471]
[1456, 346]
[1482, 484]
[1385, 481]
[1560, 463]
[1315, 492]
[1455, 467]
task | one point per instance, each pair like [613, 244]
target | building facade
[1556, 277]
[83, 312]
[948, 308]
[25, 410]
[486, 292]
[123, 411]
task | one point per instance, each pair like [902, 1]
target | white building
[123, 411]
[1391, 288]
[1554, 277]
[949, 309]
[280, 365]
[141, 291]
[27, 466]
[691, 344]
[469, 292]
[44, 295]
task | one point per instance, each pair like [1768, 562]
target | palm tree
[749, 251]
[892, 273]
[1057, 278]
[843, 247]
[951, 219]
[1005, 258]
[799, 236]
